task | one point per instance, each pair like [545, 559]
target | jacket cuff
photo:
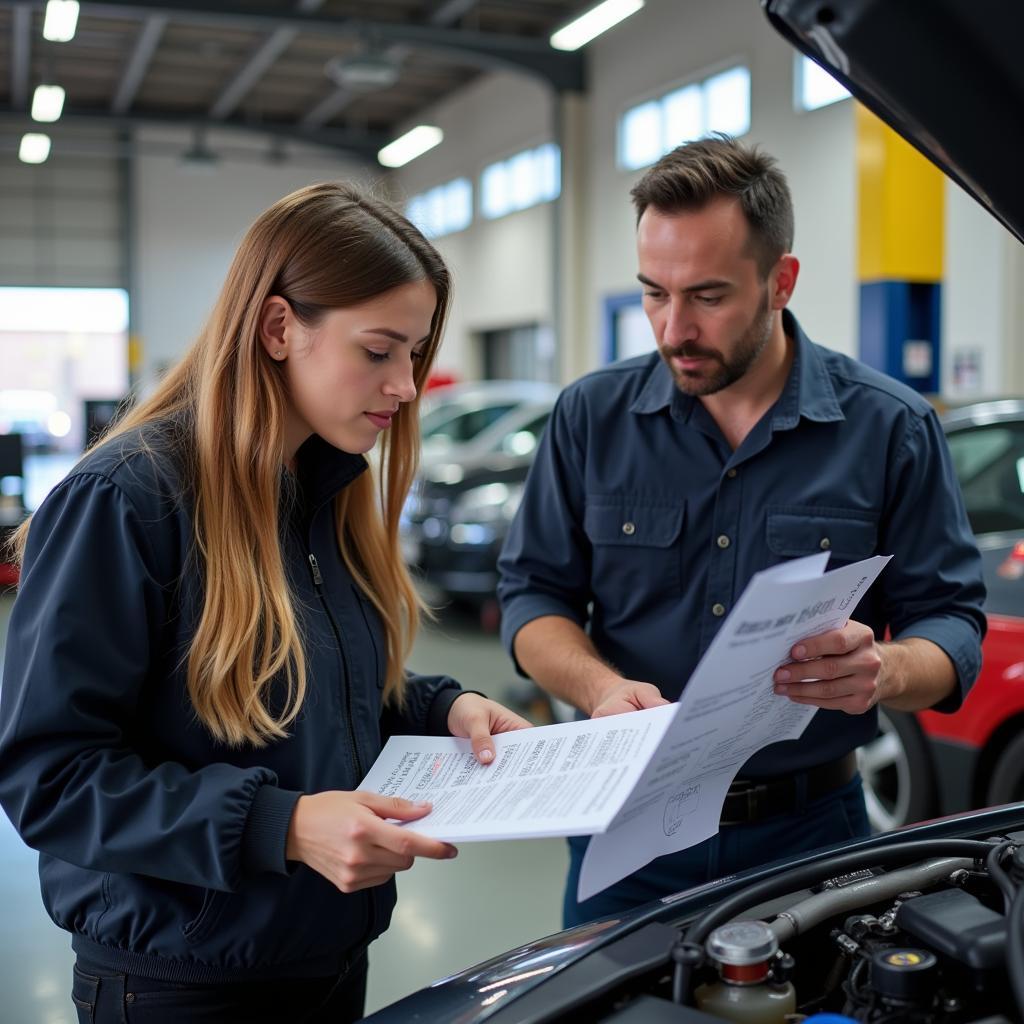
[266, 831]
[437, 717]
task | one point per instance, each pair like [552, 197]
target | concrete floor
[450, 915]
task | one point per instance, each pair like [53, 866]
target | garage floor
[450, 915]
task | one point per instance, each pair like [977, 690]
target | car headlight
[489, 504]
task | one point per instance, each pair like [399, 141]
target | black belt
[755, 799]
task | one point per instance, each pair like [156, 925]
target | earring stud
[278, 353]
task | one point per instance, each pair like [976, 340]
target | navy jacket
[162, 850]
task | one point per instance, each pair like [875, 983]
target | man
[665, 482]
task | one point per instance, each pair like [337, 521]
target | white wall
[188, 224]
[982, 320]
[671, 42]
[503, 269]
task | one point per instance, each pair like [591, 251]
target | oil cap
[743, 950]
[903, 973]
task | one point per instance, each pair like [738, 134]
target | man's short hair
[695, 174]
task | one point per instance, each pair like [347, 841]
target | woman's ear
[274, 319]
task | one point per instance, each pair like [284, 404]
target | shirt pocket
[637, 550]
[848, 535]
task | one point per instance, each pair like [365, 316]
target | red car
[928, 764]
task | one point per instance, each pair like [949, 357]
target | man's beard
[749, 346]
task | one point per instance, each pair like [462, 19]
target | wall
[982, 315]
[502, 269]
[506, 269]
[189, 222]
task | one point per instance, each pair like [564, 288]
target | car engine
[928, 932]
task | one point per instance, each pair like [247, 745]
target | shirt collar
[808, 391]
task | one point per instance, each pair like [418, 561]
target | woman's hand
[476, 718]
[344, 837]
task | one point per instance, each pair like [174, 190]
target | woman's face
[348, 375]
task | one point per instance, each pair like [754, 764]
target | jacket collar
[808, 391]
[324, 470]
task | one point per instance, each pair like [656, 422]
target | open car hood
[948, 75]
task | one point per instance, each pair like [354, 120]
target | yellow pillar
[900, 254]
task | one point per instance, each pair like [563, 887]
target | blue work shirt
[642, 525]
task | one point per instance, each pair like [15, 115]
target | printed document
[647, 783]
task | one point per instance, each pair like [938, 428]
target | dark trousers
[108, 997]
[833, 818]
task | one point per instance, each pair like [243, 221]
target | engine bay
[926, 932]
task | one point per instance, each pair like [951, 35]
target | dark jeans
[832, 818]
[108, 997]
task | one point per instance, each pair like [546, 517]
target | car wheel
[899, 786]
[1007, 785]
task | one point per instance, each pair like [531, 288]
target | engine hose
[803, 875]
[1015, 950]
[999, 875]
[804, 915]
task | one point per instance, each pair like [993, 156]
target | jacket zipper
[318, 580]
[318, 587]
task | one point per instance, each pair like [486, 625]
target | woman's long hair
[324, 247]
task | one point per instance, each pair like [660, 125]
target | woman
[207, 646]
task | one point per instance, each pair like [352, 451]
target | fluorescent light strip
[47, 102]
[590, 25]
[61, 20]
[35, 148]
[412, 144]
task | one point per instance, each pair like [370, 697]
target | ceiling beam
[254, 69]
[238, 88]
[138, 63]
[362, 145]
[21, 50]
[490, 50]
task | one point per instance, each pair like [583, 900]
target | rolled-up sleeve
[545, 563]
[934, 588]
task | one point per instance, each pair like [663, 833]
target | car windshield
[989, 462]
[457, 424]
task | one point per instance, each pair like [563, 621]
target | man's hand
[344, 837]
[841, 670]
[628, 696]
[478, 719]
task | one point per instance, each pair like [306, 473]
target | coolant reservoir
[744, 992]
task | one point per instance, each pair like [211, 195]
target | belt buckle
[750, 793]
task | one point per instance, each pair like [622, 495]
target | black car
[925, 924]
[457, 514]
[906, 927]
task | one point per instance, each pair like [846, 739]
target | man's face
[711, 311]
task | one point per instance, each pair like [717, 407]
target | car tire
[899, 782]
[1007, 785]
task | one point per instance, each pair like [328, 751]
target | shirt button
[731, 473]
[723, 541]
[825, 544]
[629, 529]
[718, 610]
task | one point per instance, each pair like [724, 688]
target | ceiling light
[35, 148]
[410, 145]
[61, 20]
[363, 73]
[47, 102]
[590, 25]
